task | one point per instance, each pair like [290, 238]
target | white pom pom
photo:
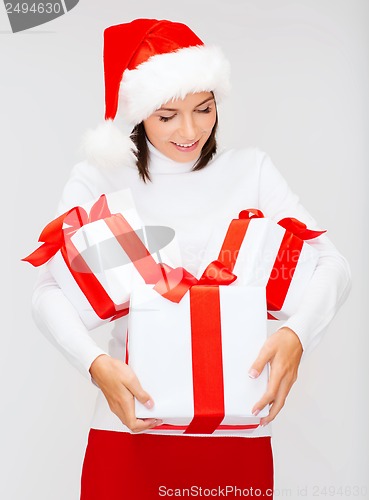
[108, 147]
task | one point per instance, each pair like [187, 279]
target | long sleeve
[53, 313]
[58, 320]
[331, 282]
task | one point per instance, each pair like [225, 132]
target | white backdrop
[300, 74]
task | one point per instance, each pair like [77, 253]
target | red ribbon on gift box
[284, 266]
[206, 343]
[57, 236]
[207, 364]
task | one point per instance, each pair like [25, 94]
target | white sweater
[190, 203]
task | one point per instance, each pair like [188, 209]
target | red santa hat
[147, 63]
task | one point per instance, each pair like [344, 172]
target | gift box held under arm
[262, 252]
[96, 254]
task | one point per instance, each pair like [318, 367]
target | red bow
[54, 235]
[291, 224]
[176, 282]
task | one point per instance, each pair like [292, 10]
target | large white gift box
[193, 357]
[262, 252]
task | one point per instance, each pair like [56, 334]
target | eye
[165, 118]
[206, 110]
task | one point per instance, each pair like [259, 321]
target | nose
[188, 127]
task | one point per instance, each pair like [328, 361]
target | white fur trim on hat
[172, 75]
[108, 147]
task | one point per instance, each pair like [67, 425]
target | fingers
[141, 425]
[263, 358]
[124, 408]
[120, 386]
[274, 410]
[283, 351]
[278, 402]
[279, 385]
[133, 385]
[136, 424]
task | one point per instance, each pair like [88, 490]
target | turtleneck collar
[161, 164]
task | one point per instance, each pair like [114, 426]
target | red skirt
[124, 466]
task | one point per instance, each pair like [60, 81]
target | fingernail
[253, 373]
[149, 403]
[255, 412]
[158, 422]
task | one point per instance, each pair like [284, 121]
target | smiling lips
[186, 147]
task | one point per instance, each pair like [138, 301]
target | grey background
[299, 70]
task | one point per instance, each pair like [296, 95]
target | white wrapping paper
[256, 257]
[107, 259]
[159, 346]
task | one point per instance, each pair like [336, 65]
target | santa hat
[147, 63]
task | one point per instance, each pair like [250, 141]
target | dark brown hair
[138, 136]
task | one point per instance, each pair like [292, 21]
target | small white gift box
[102, 253]
[262, 252]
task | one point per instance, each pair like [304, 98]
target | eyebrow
[174, 109]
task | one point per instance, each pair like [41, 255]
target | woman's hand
[120, 386]
[283, 350]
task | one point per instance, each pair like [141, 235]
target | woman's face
[180, 128]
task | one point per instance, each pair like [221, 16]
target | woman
[164, 83]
